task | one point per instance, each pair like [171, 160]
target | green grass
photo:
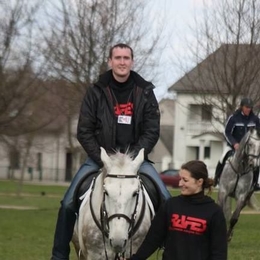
[28, 234]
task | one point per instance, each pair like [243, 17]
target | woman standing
[191, 225]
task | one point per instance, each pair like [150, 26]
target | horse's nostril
[118, 245]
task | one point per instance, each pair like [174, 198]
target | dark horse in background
[237, 179]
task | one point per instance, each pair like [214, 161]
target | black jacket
[97, 121]
[190, 227]
[238, 125]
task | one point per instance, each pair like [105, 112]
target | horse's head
[121, 200]
[252, 147]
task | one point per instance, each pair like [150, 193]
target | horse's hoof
[229, 236]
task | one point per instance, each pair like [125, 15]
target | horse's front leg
[234, 218]
[223, 203]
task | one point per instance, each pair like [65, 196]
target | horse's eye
[135, 193]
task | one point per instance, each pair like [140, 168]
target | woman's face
[188, 184]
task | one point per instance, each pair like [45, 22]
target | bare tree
[226, 54]
[20, 86]
[78, 39]
[25, 105]
[82, 33]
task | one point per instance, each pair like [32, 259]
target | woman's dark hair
[122, 46]
[198, 170]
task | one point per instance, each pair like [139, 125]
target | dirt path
[17, 207]
[250, 212]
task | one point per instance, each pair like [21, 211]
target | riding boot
[255, 180]
[63, 234]
[218, 172]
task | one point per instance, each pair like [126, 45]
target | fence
[46, 174]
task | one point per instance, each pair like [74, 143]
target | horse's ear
[105, 158]
[139, 159]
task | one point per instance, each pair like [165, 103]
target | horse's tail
[253, 203]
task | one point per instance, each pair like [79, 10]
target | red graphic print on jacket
[188, 224]
[124, 109]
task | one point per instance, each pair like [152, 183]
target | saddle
[82, 187]
[152, 190]
[150, 186]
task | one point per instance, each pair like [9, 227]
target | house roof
[224, 71]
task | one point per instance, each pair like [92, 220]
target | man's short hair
[121, 45]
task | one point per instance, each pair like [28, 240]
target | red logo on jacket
[188, 224]
[124, 109]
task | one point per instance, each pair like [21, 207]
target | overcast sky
[178, 15]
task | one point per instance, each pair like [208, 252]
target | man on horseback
[120, 113]
[236, 127]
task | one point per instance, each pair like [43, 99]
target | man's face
[121, 63]
[246, 110]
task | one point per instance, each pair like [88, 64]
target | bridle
[246, 150]
[103, 225]
[246, 155]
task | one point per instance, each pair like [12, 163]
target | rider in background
[236, 127]
[120, 113]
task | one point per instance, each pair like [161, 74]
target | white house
[162, 153]
[206, 96]
[196, 135]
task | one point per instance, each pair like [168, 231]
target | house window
[195, 112]
[206, 112]
[206, 152]
[200, 112]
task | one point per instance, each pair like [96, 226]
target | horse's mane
[121, 160]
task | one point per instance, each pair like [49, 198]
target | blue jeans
[67, 212]
[147, 168]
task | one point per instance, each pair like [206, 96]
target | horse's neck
[238, 155]
[238, 158]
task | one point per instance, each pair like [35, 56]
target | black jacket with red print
[190, 227]
[97, 120]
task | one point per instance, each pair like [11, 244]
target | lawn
[28, 234]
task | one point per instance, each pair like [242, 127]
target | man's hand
[236, 146]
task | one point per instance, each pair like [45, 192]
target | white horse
[116, 212]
